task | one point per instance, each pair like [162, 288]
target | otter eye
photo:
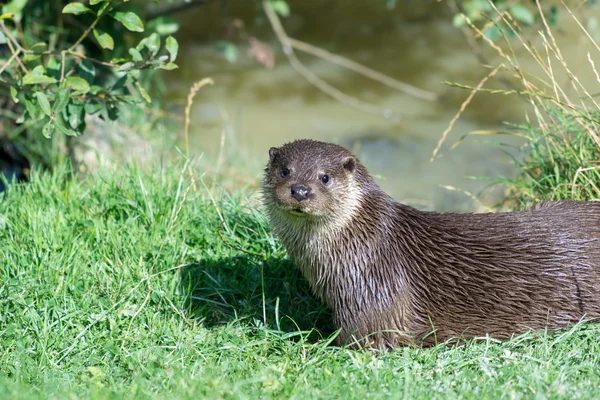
[325, 178]
[285, 171]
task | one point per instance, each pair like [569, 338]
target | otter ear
[273, 151]
[349, 163]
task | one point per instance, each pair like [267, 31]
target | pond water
[254, 108]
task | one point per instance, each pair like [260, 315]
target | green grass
[125, 286]
[560, 163]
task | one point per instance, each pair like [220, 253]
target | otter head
[311, 181]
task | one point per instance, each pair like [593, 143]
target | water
[256, 108]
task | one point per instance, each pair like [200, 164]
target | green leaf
[38, 48]
[458, 20]
[168, 66]
[120, 83]
[102, 8]
[75, 8]
[61, 100]
[78, 84]
[94, 2]
[92, 107]
[164, 26]
[63, 129]
[87, 71]
[75, 114]
[48, 129]
[38, 80]
[135, 55]
[14, 93]
[43, 103]
[522, 14]
[172, 47]
[281, 7]
[34, 111]
[105, 40]
[143, 92]
[153, 43]
[130, 20]
[229, 50]
[112, 111]
[14, 7]
[126, 67]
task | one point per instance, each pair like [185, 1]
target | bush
[61, 62]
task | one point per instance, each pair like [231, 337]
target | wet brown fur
[394, 275]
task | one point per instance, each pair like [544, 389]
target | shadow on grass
[232, 288]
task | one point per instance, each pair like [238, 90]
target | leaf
[43, 103]
[143, 92]
[92, 107]
[61, 100]
[94, 2]
[38, 48]
[281, 7]
[102, 8]
[34, 111]
[105, 40]
[63, 129]
[27, 58]
[75, 8]
[130, 20]
[36, 76]
[75, 114]
[7, 15]
[168, 66]
[230, 52]
[522, 14]
[153, 43]
[112, 111]
[163, 25]
[15, 7]
[458, 20]
[88, 71]
[120, 83]
[78, 84]
[135, 55]
[126, 67]
[172, 47]
[14, 93]
[48, 129]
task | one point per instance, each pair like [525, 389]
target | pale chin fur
[309, 235]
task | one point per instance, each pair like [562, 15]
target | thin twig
[62, 66]
[311, 77]
[363, 70]
[13, 42]
[7, 63]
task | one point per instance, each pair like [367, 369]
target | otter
[394, 275]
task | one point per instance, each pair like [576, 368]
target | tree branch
[311, 77]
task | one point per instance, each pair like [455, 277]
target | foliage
[129, 286]
[62, 61]
[557, 165]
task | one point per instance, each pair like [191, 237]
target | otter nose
[300, 192]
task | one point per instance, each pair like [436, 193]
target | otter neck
[339, 255]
